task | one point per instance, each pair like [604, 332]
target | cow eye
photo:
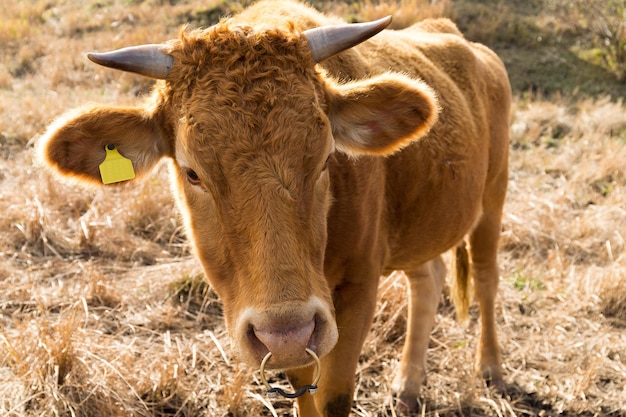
[192, 177]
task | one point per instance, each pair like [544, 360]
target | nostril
[255, 344]
[317, 329]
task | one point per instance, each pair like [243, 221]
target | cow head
[250, 123]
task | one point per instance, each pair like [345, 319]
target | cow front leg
[354, 308]
[425, 286]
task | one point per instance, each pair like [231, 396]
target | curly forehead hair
[225, 45]
[250, 83]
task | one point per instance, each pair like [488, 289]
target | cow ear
[74, 145]
[381, 115]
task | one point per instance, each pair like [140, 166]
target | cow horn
[148, 60]
[327, 41]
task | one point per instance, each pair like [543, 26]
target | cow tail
[462, 290]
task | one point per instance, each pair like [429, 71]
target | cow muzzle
[286, 331]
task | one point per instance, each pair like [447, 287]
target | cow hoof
[497, 384]
[406, 392]
[406, 405]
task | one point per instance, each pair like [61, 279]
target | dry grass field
[103, 311]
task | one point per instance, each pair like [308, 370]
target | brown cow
[307, 166]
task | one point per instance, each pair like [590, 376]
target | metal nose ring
[311, 388]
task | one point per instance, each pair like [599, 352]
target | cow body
[302, 183]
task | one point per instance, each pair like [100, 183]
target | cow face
[250, 124]
[255, 181]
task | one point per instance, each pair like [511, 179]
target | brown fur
[295, 246]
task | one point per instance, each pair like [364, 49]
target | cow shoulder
[439, 25]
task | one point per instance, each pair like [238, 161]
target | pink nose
[287, 343]
[285, 330]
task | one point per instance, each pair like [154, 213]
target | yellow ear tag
[115, 167]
